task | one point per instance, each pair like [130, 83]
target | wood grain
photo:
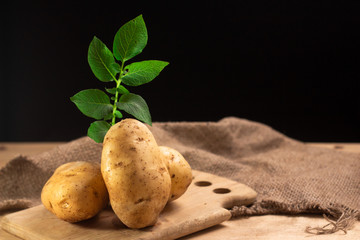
[202, 206]
[269, 227]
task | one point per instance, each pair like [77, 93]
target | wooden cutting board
[204, 204]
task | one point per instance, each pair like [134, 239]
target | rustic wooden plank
[272, 227]
[203, 205]
[255, 227]
[343, 147]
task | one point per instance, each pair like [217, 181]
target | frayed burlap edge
[345, 222]
[339, 218]
[218, 148]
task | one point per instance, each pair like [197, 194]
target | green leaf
[130, 39]
[109, 116]
[111, 90]
[136, 106]
[118, 114]
[139, 73]
[93, 103]
[115, 66]
[101, 61]
[121, 89]
[98, 130]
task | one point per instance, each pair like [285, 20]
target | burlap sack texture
[289, 176]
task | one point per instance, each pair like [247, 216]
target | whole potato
[75, 192]
[135, 175]
[179, 170]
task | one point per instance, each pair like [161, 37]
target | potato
[75, 192]
[135, 175]
[179, 170]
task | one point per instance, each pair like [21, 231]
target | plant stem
[115, 102]
[118, 82]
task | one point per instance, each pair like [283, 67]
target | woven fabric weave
[289, 176]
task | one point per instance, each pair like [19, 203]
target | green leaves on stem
[135, 105]
[139, 73]
[129, 41]
[93, 103]
[97, 130]
[102, 62]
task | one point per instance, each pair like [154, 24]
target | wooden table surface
[269, 227]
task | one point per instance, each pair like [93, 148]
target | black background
[293, 65]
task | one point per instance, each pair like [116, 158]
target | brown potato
[75, 192]
[134, 173]
[179, 170]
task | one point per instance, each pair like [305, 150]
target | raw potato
[179, 170]
[75, 192]
[134, 173]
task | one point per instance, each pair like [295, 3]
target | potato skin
[135, 175]
[75, 192]
[179, 170]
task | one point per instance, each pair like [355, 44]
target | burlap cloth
[289, 176]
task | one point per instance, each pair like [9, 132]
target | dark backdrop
[292, 65]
